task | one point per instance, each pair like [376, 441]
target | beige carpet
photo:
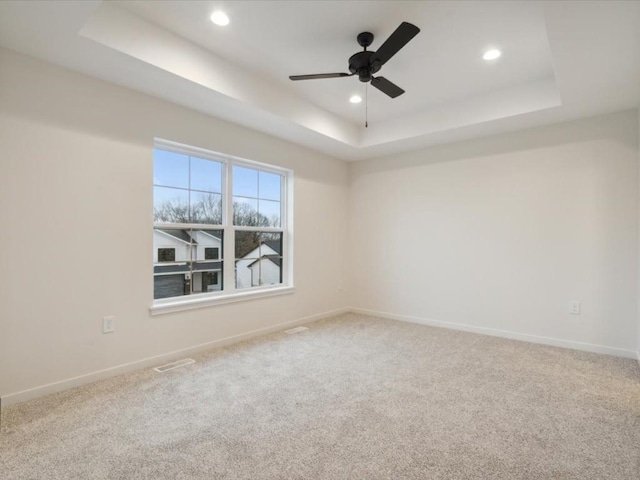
[354, 397]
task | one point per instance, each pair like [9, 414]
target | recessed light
[355, 99]
[491, 54]
[220, 18]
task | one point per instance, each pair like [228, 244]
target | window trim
[227, 252]
[203, 300]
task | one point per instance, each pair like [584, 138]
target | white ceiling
[561, 60]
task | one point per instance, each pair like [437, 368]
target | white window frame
[230, 293]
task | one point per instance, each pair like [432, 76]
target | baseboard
[556, 342]
[66, 384]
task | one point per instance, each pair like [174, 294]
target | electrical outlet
[108, 324]
[574, 308]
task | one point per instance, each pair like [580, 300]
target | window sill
[192, 303]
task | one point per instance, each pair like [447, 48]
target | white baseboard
[68, 383]
[556, 342]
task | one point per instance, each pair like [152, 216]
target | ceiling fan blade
[398, 39]
[387, 87]
[319, 75]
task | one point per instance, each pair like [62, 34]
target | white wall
[503, 232]
[76, 165]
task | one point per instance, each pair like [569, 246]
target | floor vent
[296, 330]
[176, 364]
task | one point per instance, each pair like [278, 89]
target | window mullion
[286, 222]
[229, 283]
[258, 229]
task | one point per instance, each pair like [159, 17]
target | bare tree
[171, 211]
[244, 215]
[207, 209]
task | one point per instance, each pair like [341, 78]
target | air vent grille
[176, 364]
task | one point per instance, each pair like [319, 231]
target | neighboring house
[261, 266]
[172, 253]
[175, 249]
[266, 270]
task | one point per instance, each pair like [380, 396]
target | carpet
[353, 397]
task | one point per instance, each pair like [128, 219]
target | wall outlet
[108, 324]
[574, 308]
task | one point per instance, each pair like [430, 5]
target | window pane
[206, 175]
[171, 285]
[271, 244]
[247, 245]
[207, 277]
[270, 211]
[207, 266]
[258, 259]
[171, 271]
[245, 212]
[209, 281]
[206, 208]
[269, 186]
[170, 205]
[170, 169]
[180, 261]
[266, 271]
[166, 239]
[245, 182]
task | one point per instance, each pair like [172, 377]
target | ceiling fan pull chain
[366, 105]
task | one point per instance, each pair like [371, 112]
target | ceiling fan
[366, 63]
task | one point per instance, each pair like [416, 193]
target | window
[166, 255]
[221, 226]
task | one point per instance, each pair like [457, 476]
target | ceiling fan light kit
[366, 63]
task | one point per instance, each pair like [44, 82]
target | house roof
[273, 258]
[184, 235]
[181, 235]
[210, 233]
[275, 245]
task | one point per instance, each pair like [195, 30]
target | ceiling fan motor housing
[364, 65]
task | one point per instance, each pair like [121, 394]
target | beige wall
[76, 217]
[498, 235]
